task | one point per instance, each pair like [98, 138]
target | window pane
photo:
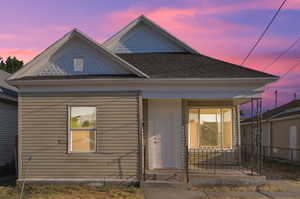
[193, 128]
[227, 127]
[83, 141]
[83, 117]
[210, 127]
[78, 64]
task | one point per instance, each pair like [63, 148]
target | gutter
[17, 82]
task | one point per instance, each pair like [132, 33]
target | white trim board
[155, 90]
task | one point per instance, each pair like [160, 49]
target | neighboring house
[8, 120]
[88, 111]
[280, 131]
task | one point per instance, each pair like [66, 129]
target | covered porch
[185, 137]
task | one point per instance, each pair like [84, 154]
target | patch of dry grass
[54, 191]
[265, 188]
[228, 197]
[294, 182]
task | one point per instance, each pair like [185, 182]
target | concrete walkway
[156, 190]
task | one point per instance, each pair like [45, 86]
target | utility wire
[290, 70]
[283, 53]
[286, 73]
[264, 32]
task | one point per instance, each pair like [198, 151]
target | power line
[287, 72]
[264, 32]
[291, 69]
[283, 53]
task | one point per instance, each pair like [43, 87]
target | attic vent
[78, 64]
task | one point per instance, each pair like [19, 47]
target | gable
[143, 39]
[61, 63]
[57, 60]
[144, 36]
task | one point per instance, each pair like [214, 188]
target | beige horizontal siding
[8, 131]
[44, 136]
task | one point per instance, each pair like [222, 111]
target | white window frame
[233, 118]
[77, 60]
[70, 131]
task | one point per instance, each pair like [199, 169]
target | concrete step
[172, 177]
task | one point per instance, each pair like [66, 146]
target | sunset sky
[224, 29]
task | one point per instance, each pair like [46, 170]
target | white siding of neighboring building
[8, 131]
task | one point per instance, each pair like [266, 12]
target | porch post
[185, 138]
[238, 134]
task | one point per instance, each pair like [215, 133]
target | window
[82, 129]
[210, 128]
[78, 64]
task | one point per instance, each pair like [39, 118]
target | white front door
[293, 142]
[164, 117]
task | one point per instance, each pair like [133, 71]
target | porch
[185, 138]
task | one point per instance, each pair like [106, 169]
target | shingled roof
[188, 65]
[172, 65]
[5, 88]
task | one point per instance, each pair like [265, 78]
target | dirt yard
[71, 192]
[281, 171]
[265, 188]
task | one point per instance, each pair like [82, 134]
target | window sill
[92, 152]
[212, 150]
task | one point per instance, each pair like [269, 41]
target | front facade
[280, 130]
[141, 102]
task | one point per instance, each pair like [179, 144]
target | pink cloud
[175, 20]
[22, 54]
[7, 36]
[172, 17]
[182, 23]
[211, 36]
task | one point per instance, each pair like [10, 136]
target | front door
[164, 117]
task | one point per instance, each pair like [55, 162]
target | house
[280, 132]
[126, 108]
[8, 120]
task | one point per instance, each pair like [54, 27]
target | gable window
[78, 64]
[210, 128]
[82, 129]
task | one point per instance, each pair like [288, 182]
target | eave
[143, 80]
